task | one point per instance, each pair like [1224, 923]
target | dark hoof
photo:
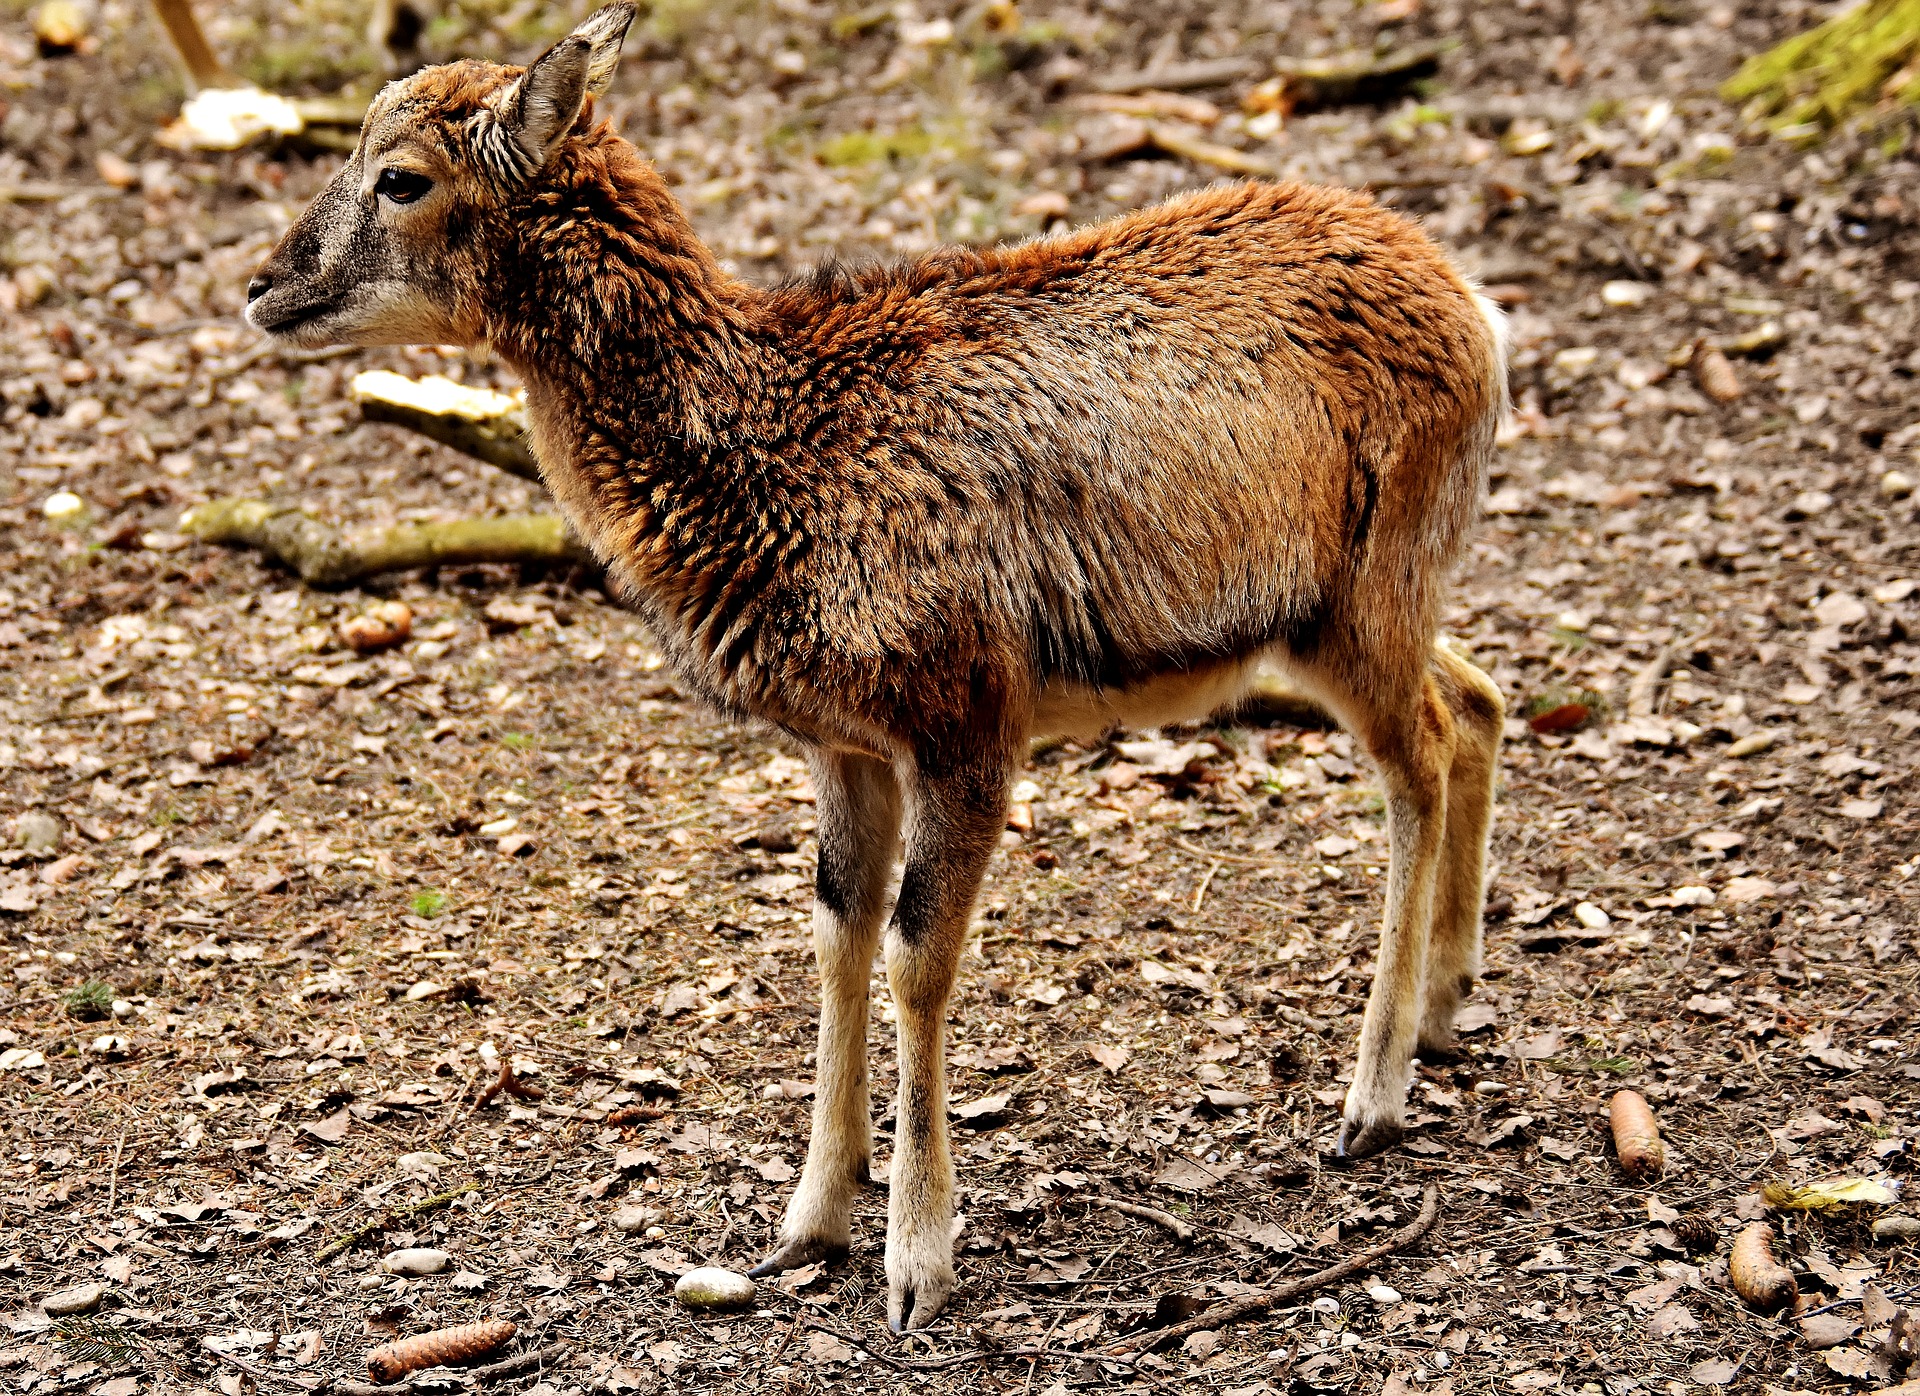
[795, 1254]
[1371, 1140]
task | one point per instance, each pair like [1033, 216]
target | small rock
[632, 1219]
[81, 1299]
[1897, 1228]
[1383, 1295]
[1591, 916]
[710, 1287]
[1753, 743]
[64, 506]
[37, 831]
[1896, 484]
[416, 1260]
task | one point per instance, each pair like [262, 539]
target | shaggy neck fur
[606, 294]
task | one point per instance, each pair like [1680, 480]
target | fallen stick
[486, 425]
[1166, 1221]
[388, 1218]
[1221, 157]
[1358, 81]
[190, 43]
[509, 1083]
[1177, 77]
[326, 558]
[1220, 1315]
[525, 1362]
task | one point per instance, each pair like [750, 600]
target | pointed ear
[549, 96]
[603, 32]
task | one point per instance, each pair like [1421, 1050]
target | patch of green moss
[1865, 57]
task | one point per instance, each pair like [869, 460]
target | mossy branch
[325, 557]
[1865, 58]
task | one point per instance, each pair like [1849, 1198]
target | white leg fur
[859, 816]
[955, 821]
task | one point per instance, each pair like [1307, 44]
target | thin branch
[1260, 1304]
[1166, 1221]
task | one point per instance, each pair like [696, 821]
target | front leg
[954, 824]
[859, 817]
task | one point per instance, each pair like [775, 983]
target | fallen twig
[1166, 1221]
[388, 1218]
[509, 1083]
[1177, 77]
[525, 1362]
[1220, 1315]
[1221, 157]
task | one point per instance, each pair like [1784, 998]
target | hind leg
[1453, 951]
[1412, 742]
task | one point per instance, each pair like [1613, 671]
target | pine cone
[1698, 1234]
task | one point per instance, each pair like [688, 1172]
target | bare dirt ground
[273, 913]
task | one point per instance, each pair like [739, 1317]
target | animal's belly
[1083, 713]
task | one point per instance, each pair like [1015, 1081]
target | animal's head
[393, 250]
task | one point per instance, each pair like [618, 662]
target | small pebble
[416, 1260]
[1591, 916]
[1383, 1295]
[710, 1287]
[63, 505]
[81, 1299]
[1896, 484]
[1489, 1087]
[1894, 1228]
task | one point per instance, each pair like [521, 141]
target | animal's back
[1172, 436]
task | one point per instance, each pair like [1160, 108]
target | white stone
[63, 505]
[1383, 1295]
[710, 1287]
[81, 1299]
[416, 1260]
[1591, 916]
[1896, 1228]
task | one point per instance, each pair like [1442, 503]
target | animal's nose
[258, 287]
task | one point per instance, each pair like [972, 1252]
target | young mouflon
[916, 515]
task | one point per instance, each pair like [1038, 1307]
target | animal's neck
[611, 307]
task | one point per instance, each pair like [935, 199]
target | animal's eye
[401, 186]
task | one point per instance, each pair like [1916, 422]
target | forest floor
[274, 913]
